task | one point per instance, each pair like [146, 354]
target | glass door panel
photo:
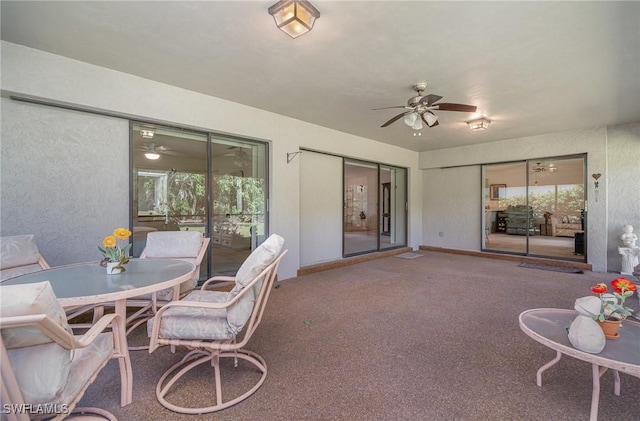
[508, 217]
[393, 210]
[238, 193]
[360, 225]
[556, 195]
[169, 182]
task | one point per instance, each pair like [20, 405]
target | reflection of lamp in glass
[152, 155]
[294, 17]
[147, 133]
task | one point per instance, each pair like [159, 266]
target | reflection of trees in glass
[570, 201]
[146, 193]
[238, 196]
[186, 194]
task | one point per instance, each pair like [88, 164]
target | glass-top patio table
[88, 283]
[548, 326]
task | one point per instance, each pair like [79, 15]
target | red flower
[620, 285]
[599, 289]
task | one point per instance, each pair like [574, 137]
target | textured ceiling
[530, 67]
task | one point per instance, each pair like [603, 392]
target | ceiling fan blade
[397, 106]
[445, 106]
[430, 99]
[398, 117]
[434, 124]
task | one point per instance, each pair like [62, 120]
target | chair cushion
[195, 323]
[173, 244]
[42, 371]
[26, 299]
[47, 376]
[18, 250]
[41, 366]
[258, 260]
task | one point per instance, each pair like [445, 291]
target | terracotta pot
[610, 328]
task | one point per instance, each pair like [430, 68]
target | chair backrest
[33, 323]
[184, 245]
[19, 255]
[263, 256]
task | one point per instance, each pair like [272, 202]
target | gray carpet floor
[434, 338]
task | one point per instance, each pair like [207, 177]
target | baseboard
[528, 259]
[347, 261]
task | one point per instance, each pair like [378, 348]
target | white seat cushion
[195, 323]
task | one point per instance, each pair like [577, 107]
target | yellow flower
[122, 233]
[109, 241]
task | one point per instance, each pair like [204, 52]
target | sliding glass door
[360, 207]
[393, 207]
[374, 214]
[536, 208]
[187, 180]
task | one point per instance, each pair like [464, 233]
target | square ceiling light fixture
[147, 133]
[479, 124]
[294, 17]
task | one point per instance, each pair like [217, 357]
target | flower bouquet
[612, 309]
[612, 305]
[115, 257]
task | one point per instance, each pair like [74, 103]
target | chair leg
[194, 359]
[91, 414]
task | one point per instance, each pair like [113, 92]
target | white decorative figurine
[628, 237]
[584, 333]
[630, 250]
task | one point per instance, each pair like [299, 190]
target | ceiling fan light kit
[294, 17]
[152, 156]
[420, 109]
[479, 124]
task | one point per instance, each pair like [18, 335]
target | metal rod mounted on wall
[291, 155]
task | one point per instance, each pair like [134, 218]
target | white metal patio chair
[19, 255]
[217, 324]
[189, 246]
[45, 367]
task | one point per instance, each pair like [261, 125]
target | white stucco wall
[69, 193]
[36, 73]
[623, 186]
[603, 146]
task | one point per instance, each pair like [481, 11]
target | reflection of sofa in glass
[565, 226]
[517, 220]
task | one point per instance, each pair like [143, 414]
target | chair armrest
[218, 279]
[59, 334]
[112, 319]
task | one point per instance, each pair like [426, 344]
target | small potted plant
[115, 257]
[612, 308]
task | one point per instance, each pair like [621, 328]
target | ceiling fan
[420, 109]
[153, 151]
[241, 157]
[538, 168]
